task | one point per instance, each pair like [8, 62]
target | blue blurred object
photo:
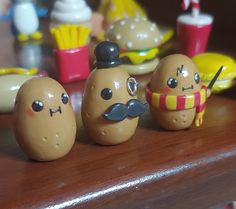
[41, 12]
[8, 16]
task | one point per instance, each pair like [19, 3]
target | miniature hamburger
[209, 63]
[137, 39]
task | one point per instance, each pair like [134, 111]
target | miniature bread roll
[9, 86]
[45, 126]
[138, 39]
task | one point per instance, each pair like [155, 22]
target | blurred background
[163, 12]
[166, 11]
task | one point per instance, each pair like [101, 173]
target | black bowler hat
[107, 55]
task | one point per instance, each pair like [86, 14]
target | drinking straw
[195, 4]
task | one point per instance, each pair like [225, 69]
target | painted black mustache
[118, 111]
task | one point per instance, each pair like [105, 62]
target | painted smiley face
[37, 105]
[45, 126]
[184, 79]
[176, 75]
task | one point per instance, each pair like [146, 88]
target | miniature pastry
[45, 126]
[176, 94]
[138, 39]
[71, 12]
[110, 108]
[208, 63]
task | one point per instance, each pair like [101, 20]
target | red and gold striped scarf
[182, 102]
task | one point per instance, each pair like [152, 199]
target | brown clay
[46, 134]
[93, 106]
[173, 120]
[171, 67]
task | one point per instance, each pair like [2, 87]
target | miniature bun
[134, 33]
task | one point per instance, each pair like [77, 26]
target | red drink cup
[72, 64]
[193, 33]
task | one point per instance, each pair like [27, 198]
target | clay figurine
[110, 109]
[138, 39]
[176, 94]
[45, 125]
[25, 20]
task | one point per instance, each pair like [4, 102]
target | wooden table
[194, 168]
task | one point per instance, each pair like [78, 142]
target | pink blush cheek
[166, 90]
[30, 112]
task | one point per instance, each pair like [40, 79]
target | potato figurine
[45, 126]
[176, 94]
[110, 108]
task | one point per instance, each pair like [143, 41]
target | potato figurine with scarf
[176, 94]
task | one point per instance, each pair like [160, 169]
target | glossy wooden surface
[193, 168]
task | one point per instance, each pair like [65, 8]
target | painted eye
[64, 98]
[132, 86]
[172, 82]
[197, 78]
[37, 106]
[106, 94]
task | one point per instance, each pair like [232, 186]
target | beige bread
[141, 69]
[134, 33]
[9, 86]
[138, 39]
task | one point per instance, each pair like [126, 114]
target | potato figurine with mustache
[176, 94]
[45, 126]
[110, 108]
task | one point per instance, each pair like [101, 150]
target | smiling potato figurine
[176, 94]
[45, 126]
[110, 108]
